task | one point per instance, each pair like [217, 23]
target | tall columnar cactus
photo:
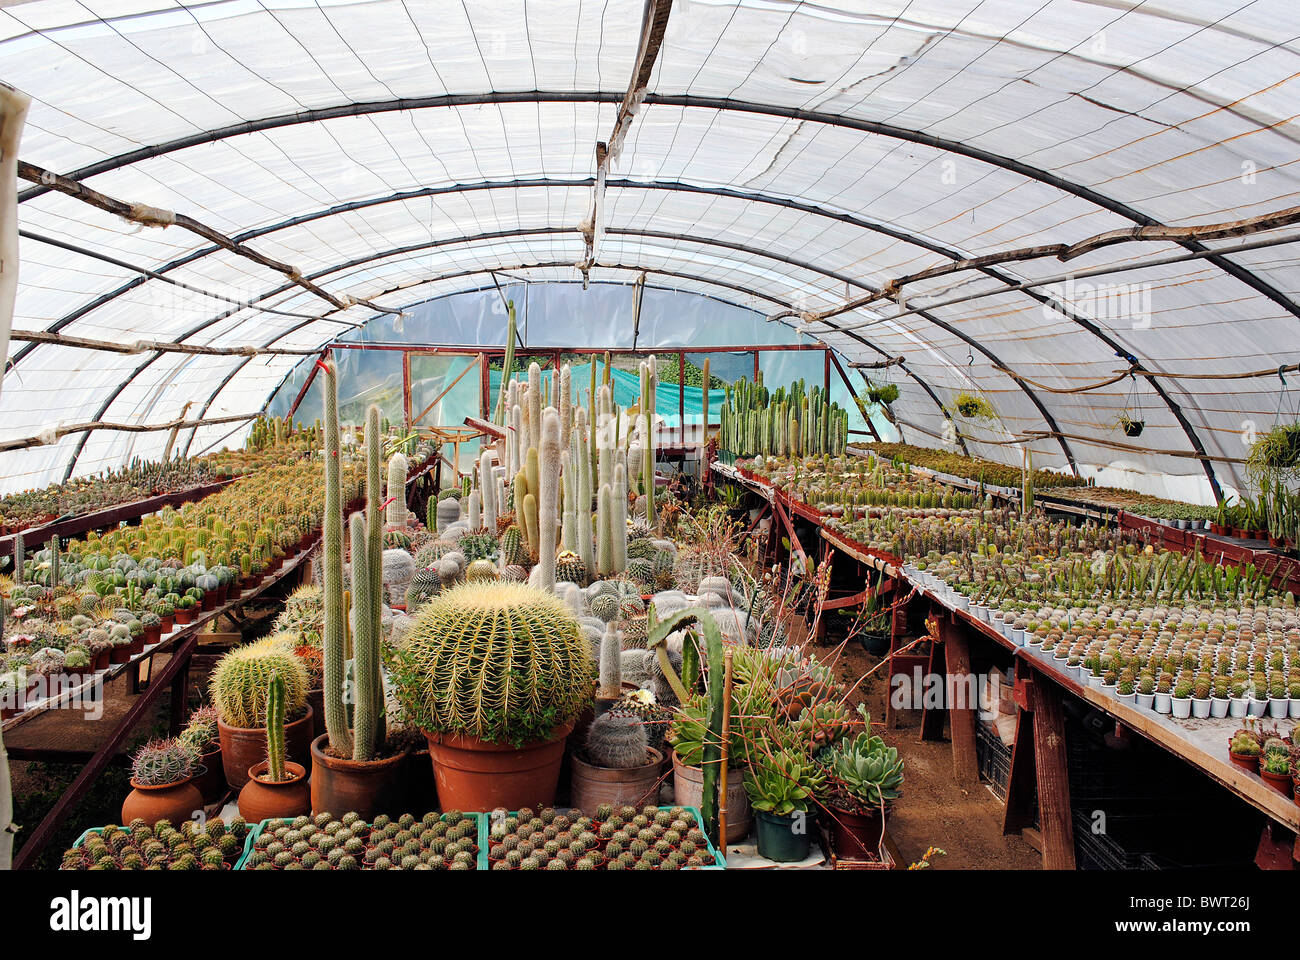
[397, 468]
[534, 405]
[649, 397]
[605, 532]
[19, 554]
[530, 526]
[275, 751]
[474, 512]
[581, 466]
[564, 404]
[336, 716]
[611, 664]
[549, 496]
[1027, 495]
[604, 428]
[619, 519]
[569, 485]
[487, 486]
[515, 435]
[367, 682]
[54, 561]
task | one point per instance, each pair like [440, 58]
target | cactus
[649, 391]
[499, 661]
[275, 752]
[239, 681]
[488, 491]
[549, 494]
[397, 468]
[498, 416]
[365, 649]
[336, 717]
[569, 566]
[581, 464]
[448, 512]
[534, 417]
[513, 549]
[54, 562]
[161, 763]
[605, 532]
[531, 531]
[611, 660]
[616, 739]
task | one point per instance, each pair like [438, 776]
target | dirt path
[933, 810]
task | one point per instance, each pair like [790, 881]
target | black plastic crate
[994, 759]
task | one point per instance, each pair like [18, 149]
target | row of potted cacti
[789, 421]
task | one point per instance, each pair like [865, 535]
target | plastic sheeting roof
[787, 155]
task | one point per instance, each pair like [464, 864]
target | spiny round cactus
[641, 570]
[396, 539]
[604, 606]
[481, 570]
[499, 661]
[616, 739]
[240, 679]
[160, 763]
[569, 566]
[514, 573]
[513, 548]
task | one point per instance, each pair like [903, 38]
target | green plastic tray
[479, 818]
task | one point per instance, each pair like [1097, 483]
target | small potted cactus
[201, 738]
[239, 687]
[616, 764]
[162, 784]
[276, 787]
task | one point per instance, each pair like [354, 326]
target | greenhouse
[700, 435]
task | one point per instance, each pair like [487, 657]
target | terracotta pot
[184, 616]
[1281, 782]
[472, 774]
[137, 645]
[208, 601]
[688, 786]
[1245, 761]
[211, 780]
[261, 799]
[103, 659]
[853, 835]
[152, 634]
[366, 788]
[168, 624]
[242, 747]
[120, 653]
[175, 802]
[590, 785]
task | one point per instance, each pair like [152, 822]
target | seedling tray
[479, 819]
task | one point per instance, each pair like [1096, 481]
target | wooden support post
[1055, 818]
[932, 718]
[962, 699]
[1039, 760]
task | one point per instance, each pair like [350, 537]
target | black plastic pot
[1134, 428]
[784, 839]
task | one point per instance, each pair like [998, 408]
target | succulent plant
[617, 739]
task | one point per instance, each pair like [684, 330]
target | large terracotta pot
[175, 802]
[590, 785]
[853, 835]
[262, 799]
[472, 774]
[366, 788]
[211, 777]
[242, 747]
[688, 785]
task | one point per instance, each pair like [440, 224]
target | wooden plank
[1055, 819]
[960, 686]
[1020, 805]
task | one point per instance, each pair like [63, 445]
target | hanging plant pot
[1132, 428]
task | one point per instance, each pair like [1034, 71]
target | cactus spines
[365, 648]
[275, 729]
[605, 533]
[336, 718]
[160, 763]
[534, 407]
[474, 513]
[531, 532]
[396, 510]
[549, 496]
[611, 664]
[581, 464]
[54, 562]
[564, 403]
[616, 739]
[239, 681]
[487, 486]
[528, 660]
[448, 512]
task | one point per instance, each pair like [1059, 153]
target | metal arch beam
[726, 245]
[672, 186]
[612, 266]
[675, 237]
[891, 131]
